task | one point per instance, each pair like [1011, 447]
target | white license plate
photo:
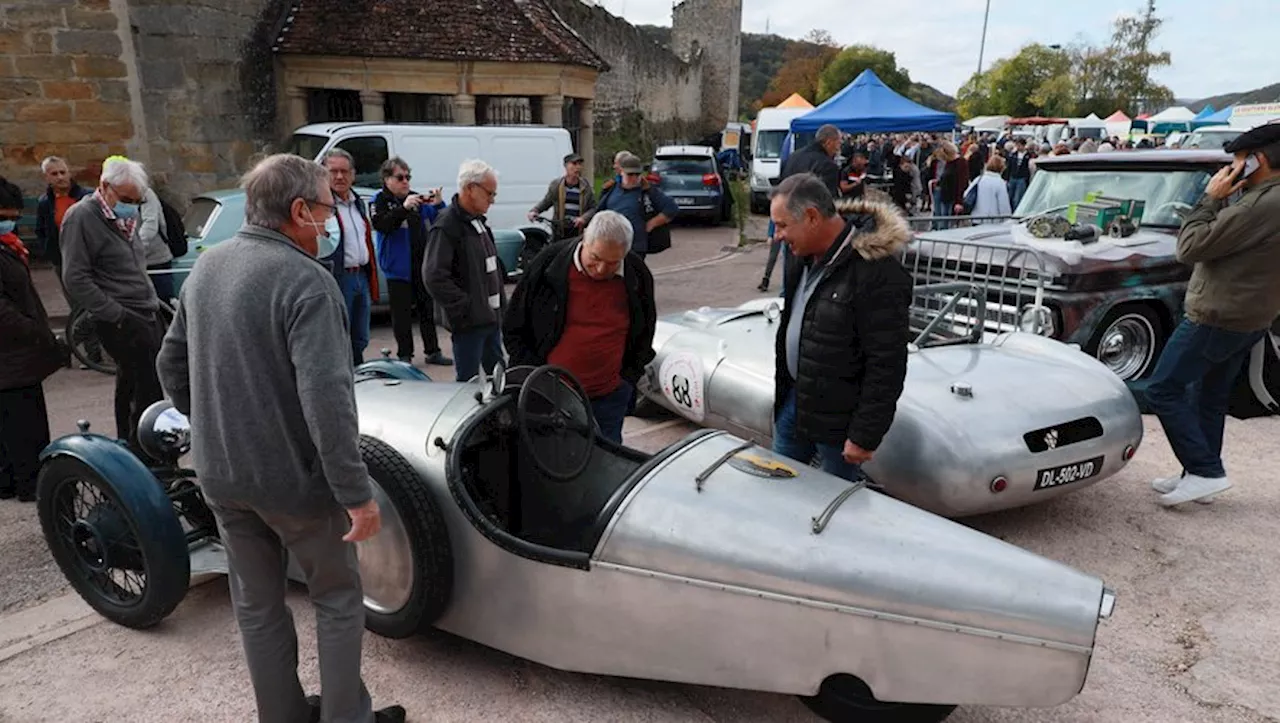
[1068, 473]
[684, 201]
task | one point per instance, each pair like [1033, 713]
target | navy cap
[1255, 139]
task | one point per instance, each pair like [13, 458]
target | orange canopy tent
[795, 101]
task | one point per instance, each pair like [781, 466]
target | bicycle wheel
[82, 337]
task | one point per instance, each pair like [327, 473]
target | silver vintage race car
[985, 422]
[509, 521]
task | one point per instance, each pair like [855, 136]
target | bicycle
[82, 336]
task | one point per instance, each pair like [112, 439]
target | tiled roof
[517, 31]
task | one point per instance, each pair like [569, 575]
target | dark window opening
[327, 105]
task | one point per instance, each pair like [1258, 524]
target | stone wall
[643, 75]
[177, 84]
[712, 29]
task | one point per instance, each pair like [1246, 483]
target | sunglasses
[403, 177]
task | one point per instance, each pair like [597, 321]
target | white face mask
[326, 240]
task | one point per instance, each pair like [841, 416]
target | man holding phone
[400, 220]
[1233, 297]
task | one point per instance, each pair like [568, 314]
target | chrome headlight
[164, 433]
[759, 180]
[1037, 320]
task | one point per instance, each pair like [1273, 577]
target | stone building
[195, 89]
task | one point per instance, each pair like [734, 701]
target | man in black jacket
[58, 198]
[818, 158]
[587, 306]
[461, 272]
[841, 349]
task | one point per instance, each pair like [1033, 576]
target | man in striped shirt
[572, 198]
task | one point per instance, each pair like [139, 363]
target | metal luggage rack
[1010, 281]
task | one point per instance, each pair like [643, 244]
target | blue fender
[390, 369]
[140, 493]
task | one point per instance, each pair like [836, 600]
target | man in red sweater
[587, 305]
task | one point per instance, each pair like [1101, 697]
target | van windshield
[306, 145]
[769, 144]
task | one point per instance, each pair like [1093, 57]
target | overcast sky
[1218, 46]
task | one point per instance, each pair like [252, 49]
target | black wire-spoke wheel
[556, 423]
[86, 347]
[846, 699]
[125, 554]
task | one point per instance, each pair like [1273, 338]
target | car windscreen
[306, 145]
[769, 144]
[198, 215]
[1163, 191]
[683, 165]
[1210, 140]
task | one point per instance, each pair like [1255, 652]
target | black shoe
[313, 701]
[439, 359]
[764, 286]
[406, 359]
[390, 714]
[26, 496]
[7, 494]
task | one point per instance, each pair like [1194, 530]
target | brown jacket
[1236, 252]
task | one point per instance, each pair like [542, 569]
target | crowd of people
[276, 317]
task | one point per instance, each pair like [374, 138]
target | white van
[527, 158]
[772, 127]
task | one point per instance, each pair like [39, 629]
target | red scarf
[13, 243]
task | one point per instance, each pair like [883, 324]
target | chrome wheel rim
[1127, 346]
[386, 560]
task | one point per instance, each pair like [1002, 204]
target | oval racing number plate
[681, 379]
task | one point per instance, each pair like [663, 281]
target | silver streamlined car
[509, 521]
[984, 422]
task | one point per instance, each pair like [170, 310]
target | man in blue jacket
[647, 207]
[400, 221]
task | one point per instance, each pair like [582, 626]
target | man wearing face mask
[262, 323]
[1233, 297]
[104, 270]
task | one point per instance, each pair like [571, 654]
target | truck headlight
[1037, 320]
[759, 181]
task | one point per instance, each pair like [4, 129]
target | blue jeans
[1017, 189]
[473, 346]
[355, 292]
[1190, 391]
[611, 409]
[787, 442]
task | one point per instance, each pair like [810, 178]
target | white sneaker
[1165, 485]
[1194, 487]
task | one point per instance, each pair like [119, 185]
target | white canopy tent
[986, 122]
[1176, 114]
[1090, 121]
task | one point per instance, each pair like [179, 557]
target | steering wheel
[556, 423]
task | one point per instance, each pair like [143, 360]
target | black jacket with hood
[853, 345]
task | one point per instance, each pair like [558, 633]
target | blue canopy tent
[1205, 112]
[867, 105]
[1220, 118]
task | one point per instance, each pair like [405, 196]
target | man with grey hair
[104, 271]
[841, 349]
[261, 324]
[353, 259]
[462, 272]
[818, 158]
[60, 195]
[587, 306]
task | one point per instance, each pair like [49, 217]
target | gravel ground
[1195, 636]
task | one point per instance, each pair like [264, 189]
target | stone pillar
[587, 137]
[297, 110]
[373, 108]
[464, 109]
[553, 111]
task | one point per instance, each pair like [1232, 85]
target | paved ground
[1195, 636]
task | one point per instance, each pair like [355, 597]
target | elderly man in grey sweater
[259, 358]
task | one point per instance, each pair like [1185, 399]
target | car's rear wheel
[121, 548]
[846, 699]
[1128, 341]
[406, 569]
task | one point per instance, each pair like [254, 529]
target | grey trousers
[256, 545]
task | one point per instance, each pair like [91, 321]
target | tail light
[999, 484]
[710, 179]
[653, 178]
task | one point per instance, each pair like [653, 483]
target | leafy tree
[854, 59]
[1134, 59]
[800, 71]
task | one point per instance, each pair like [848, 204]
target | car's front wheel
[406, 569]
[846, 699]
[1128, 341]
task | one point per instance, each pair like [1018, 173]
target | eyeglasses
[403, 177]
[493, 194]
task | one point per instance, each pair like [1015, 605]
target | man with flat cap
[1233, 297]
[572, 198]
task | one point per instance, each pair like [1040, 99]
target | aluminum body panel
[943, 450]
[654, 620]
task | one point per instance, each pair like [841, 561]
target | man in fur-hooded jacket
[841, 349]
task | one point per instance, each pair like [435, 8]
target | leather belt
[353, 269]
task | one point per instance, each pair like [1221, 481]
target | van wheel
[846, 699]
[407, 568]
